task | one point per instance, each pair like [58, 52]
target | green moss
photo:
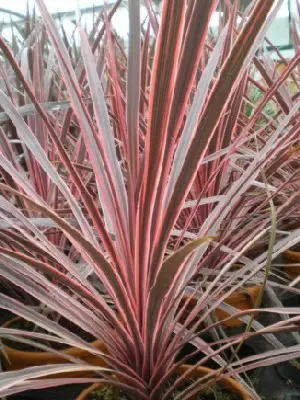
[108, 393]
[219, 393]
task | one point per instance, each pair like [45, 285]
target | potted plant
[121, 207]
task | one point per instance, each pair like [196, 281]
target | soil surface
[110, 393]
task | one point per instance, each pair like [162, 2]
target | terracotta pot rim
[228, 382]
[241, 299]
[44, 355]
[237, 294]
[292, 255]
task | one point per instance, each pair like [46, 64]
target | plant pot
[240, 299]
[256, 250]
[21, 358]
[228, 383]
[294, 256]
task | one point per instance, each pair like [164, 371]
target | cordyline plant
[144, 191]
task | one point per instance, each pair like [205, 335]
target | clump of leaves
[147, 184]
